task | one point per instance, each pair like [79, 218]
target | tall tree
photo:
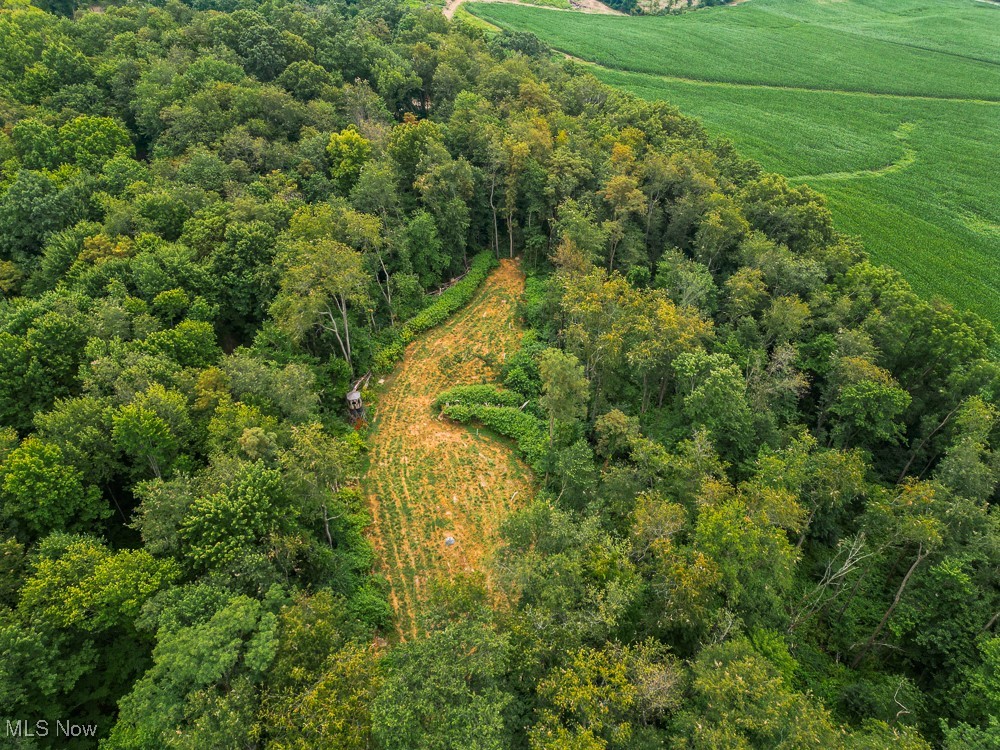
[323, 279]
[565, 390]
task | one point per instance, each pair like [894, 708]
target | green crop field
[891, 108]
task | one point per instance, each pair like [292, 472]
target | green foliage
[525, 429]
[741, 700]
[91, 142]
[77, 596]
[207, 655]
[223, 529]
[304, 710]
[191, 343]
[426, 250]
[565, 389]
[478, 395]
[445, 690]
[868, 401]
[78, 583]
[33, 206]
[762, 512]
[348, 152]
[753, 557]
[712, 390]
[41, 493]
[848, 127]
[146, 438]
[576, 582]
[602, 698]
[594, 695]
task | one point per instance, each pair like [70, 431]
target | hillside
[687, 471]
[833, 94]
[430, 479]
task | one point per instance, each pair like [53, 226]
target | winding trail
[429, 479]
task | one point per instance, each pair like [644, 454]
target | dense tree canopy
[766, 511]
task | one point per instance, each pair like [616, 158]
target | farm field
[892, 110]
[429, 478]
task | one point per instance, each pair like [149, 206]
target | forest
[764, 506]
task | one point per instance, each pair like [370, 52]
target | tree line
[766, 507]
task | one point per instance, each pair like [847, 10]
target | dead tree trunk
[921, 554]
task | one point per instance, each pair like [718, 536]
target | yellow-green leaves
[39, 492]
[80, 583]
[348, 151]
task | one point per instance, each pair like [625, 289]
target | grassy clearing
[913, 175]
[429, 478]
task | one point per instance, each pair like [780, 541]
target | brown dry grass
[430, 479]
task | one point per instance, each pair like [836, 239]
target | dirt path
[580, 6]
[430, 479]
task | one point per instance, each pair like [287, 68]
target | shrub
[479, 395]
[527, 430]
[390, 344]
[451, 299]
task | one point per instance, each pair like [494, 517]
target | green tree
[153, 429]
[71, 644]
[446, 188]
[565, 390]
[15, 359]
[575, 582]
[80, 427]
[247, 280]
[867, 402]
[91, 142]
[222, 529]
[348, 152]
[752, 554]
[305, 80]
[322, 683]
[426, 251]
[41, 493]
[212, 648]
[33, 206]
[713, 394]
[445, 691]
[86, 586]
[622, 193]
[587, 703]
[969, 467]
[323, 278]
[602, 698]
[909, 525]
[741, 700]
[35, 144]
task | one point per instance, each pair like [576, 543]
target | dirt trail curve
[582, 6]
[430, 479]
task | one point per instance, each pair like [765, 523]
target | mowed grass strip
[913, 176]
[428, 478]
